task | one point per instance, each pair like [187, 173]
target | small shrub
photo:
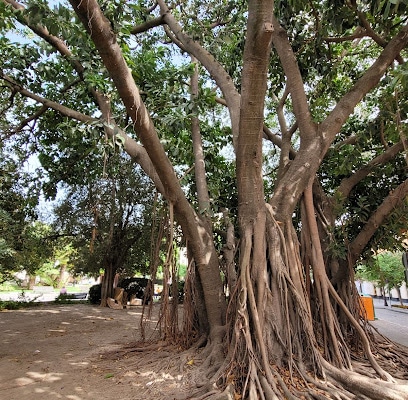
[11, 305]
[22, 302]
[69, 298]
[64, 298]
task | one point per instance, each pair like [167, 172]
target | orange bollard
[368, 308]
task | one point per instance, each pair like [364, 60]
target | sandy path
[57, 352]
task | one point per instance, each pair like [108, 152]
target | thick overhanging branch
[349, 183]
[59, 45]
[396, 197]
[152, 23]
[329, 128]
[201, 244]
[104, 39]
[135, 150]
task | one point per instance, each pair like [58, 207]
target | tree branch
[214, 68]
[350, 140]
[273, 137]
[394, 198]
[295, 83]
[135, 150]
[104, 39]
[371, 33]
[347, 184]
[359, 34]
[58, 44]
[198, 150]
[69, 112]
[329, 128]
[201, 243]
[152, 23]
[25, 122]
[297, 174]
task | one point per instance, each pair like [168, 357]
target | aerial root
[269, 393]
[326, 387]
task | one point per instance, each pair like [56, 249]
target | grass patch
[9, 287]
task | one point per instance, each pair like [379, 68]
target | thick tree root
[359, 384]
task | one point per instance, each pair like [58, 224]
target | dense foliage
[386, 270]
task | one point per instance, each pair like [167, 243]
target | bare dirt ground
[77, 352]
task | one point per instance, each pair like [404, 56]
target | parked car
[95, 294]
[137, 287]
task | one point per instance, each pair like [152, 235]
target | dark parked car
[137, 287]
[94, 295]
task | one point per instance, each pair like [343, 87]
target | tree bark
[107, 284]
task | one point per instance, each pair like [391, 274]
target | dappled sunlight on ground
[58, 352]
[47, 386]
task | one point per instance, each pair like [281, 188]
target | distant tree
[36, 249]
[55, 270]
[18, 199]
[386, 270]
[318, 89]
[108, 221]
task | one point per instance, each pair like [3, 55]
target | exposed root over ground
[169, 372]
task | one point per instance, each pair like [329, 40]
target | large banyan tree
[311, 97]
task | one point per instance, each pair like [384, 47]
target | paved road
[392, 322]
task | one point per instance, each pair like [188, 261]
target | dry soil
[76, 352]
